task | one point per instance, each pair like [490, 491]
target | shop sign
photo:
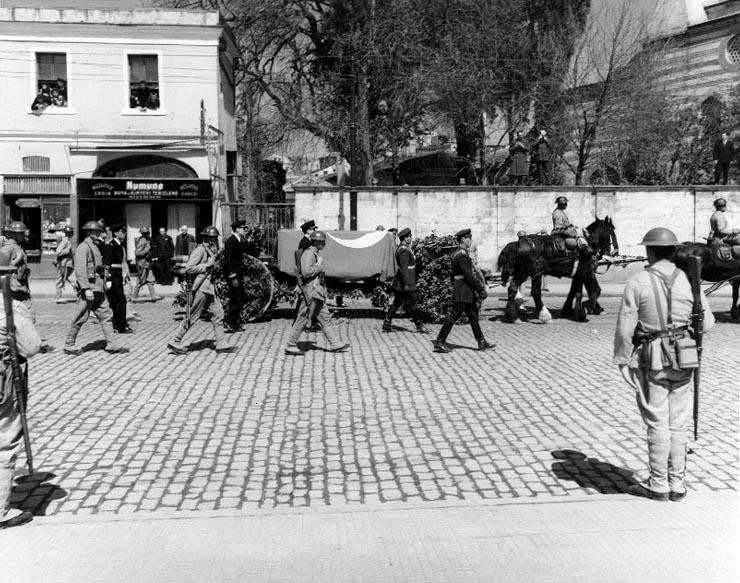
[143, 189]
[28, 203]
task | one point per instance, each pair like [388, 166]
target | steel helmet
[659, 237]
[560, 199]
[210, 231]
[720, 202]
[93, 226]
[68, 229]
[16, 227]
[318, 236]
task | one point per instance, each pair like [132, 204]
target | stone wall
[495, 214]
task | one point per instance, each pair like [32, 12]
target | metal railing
[272, 217]
[36, 184]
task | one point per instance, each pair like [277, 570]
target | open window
[51, 81]
[143, 82]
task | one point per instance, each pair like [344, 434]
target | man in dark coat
[723, 155]
[114, 258]
[404, 285]
[165, 253]
[234, 272]
[542, 152]
[519, 167]
[464, 300]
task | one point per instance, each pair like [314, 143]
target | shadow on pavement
[588, 472]
[34, 493]
[96, 345]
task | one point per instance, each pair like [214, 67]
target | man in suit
[723, 155]
[464, 299]
[404, 285]
[234, 273]
[114, 258]
[165, 252]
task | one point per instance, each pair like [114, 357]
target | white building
[119, 114]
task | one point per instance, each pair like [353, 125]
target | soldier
[234, 273]
[404, 285]
[203, 297]
[560, 221]
[64, 262]
[13, 255]
[314, 293]
[91, 275]
[114, 258]
[464, 300]
[655, 312]
[11, 432]
[144, 265]
[719, 231]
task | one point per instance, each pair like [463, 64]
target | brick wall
[496, 214]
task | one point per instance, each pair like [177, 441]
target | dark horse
[533, 256]
[713, 268]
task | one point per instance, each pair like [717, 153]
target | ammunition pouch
[723, 252]
[678, 348]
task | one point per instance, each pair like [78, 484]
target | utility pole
[353, 150]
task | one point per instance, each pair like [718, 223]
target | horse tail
[507, 261]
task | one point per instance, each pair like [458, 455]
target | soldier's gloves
[89, 295]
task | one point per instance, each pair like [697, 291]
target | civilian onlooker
[184, 242]
[723, 154]
[542, 152]
[519, 168]
[165, 252]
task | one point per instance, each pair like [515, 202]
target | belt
[458, 277]
[677, 332]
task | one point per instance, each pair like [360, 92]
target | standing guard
[91, 275]
[234, 274]
[656, 355]
[114, 259]
[464, 300]
[13, 255]
[64, 262]
[144, 265]
[404, 285]
[314, 294]
[202, 296]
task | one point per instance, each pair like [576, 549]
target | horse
[713, 268]
[533, 256]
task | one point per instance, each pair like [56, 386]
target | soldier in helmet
[560, 221]
[203, 296]
[314, 291]
[13, 255]
[404, 285]
[91, 285]
[719, 231]
[143, 252]
[64, 262]
[654, 314]
[464, 296]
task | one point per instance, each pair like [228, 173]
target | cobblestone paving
[545, 414]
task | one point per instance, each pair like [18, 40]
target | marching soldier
[13, 255]
[114, 258]
[202, 295]
[314, 295]
[28, 342]
[653, 318]
[464, 299]
[144, 265]
[64, 262]
[719, 231]
[404, 285]
[91, 274]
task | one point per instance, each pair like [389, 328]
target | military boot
[421, 329]
[483, 344]
[441, 346]
[387, 326]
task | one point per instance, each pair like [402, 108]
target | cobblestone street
[545, 414]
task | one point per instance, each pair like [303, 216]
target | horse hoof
[735, 314]
[545, 316]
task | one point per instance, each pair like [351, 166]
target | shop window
[54, 217]
[51, 81]
[143, 82]
[36, 164]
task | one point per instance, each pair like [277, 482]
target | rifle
[19, 379]
[697, 323]
[188, 300]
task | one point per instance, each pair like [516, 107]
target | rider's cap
[463, 233]
[308, 225]
[404, 233]
[561, 199]
[659, 237]
[720, 202]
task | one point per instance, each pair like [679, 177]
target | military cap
[308, 225]
[393, 230]
[118, 227]
[560, 199]
[404, 233]
[238, 224]
[720, 202]
[463, 233]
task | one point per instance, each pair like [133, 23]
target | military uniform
[11, 432]
[314, 289]
[234, 274]
[114, 258]
[65, 265]
[90, 275]
[465, 287]
[13, 255]
[653, 301]
[404, 286]
[719, 229]
[199, 266]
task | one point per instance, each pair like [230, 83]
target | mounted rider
[719, 232]
[564, 232]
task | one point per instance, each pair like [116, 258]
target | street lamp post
[353, 151]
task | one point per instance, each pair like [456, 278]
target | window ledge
[52, 110]
[144, 112]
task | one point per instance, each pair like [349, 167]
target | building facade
[121, 115]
